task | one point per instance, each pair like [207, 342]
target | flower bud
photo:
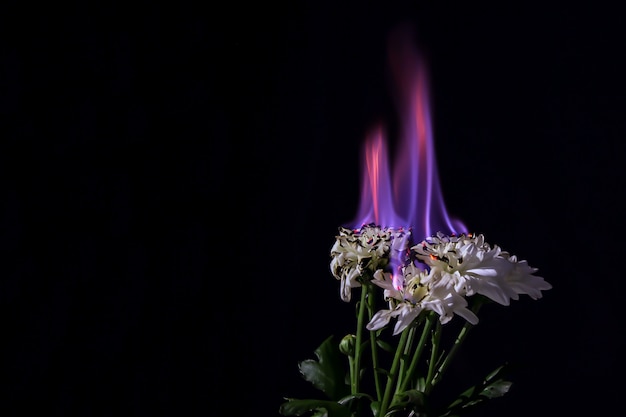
[346, 346]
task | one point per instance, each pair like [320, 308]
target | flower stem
[374, 348]
[436, 337]
[410, 373]
[457, 344]
[356, 368]
[405, 355]
[393, 373]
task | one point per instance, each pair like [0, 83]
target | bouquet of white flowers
[382, 370]
[412, 280]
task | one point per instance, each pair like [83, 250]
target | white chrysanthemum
[471, 266]
[415, 295]
[356, 251]
[521, 279]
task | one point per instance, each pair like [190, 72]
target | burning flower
[421, 290]
[408, 290]
[471, 266]
[443, 276]
[355, 251]
[452, 268]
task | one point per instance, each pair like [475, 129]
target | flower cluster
[367, 249]
[436, 274]
[443, 270]
[424, 286]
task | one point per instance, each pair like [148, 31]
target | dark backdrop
[173, 178]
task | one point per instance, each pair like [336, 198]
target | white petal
[408, 313]
[379, 320]
[467, 315]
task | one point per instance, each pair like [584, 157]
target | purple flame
[412, 198]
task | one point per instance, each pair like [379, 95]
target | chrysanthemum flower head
[472, 266]
[418, 292]
[443, 271]
[367, 249]
[438, 274]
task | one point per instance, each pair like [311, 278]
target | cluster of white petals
[366, 249]
[417, 293]
[437, 274]
[471, 266]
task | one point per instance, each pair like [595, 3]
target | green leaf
[294, 407]
[385, 346]
[327, 373]
[488, 389]
[496, 389]
[382, 371]
[497, 372]
[357, 402]
[375, 407]
[359, 396]
[410, 400]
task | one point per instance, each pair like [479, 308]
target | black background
[173, 178]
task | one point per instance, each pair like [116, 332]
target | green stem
[433, 357]
[374, 348]
[405, 355]
[457, 345]
[356, 368]
[393, 373]
[410, 373]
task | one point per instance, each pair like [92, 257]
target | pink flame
[412, 198]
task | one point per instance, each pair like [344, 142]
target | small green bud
[346, 346]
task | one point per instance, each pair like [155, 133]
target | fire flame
[412, 197]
